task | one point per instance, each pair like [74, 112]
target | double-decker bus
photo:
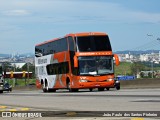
[75, 61]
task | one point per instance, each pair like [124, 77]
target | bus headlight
[109, 80]
[83, 81]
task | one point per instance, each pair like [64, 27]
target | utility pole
[152, 62]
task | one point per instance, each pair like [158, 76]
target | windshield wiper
[105, 73]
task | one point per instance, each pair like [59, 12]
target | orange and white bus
[75, 61]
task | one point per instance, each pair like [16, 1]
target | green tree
[30, 68]
[7, 66]
[136, 67]
[150, 75]
[142, 74]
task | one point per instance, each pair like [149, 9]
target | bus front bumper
[1, 86]
[96, 84]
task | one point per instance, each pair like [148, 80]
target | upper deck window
[56, 46]
[93, 43]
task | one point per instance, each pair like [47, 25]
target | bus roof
[73, 35]
[86, 34]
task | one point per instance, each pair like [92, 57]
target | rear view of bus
[79, 61]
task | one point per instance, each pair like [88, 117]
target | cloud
[16, 12]
[100, 12]
[146, 17]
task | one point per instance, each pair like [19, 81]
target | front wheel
[69, 86]
[90, 89]
[107, 89]
[10, 89]
[118, 87]
[71, 89]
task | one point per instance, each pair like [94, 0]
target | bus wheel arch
[68, 82]
[42, 82]
[45, 85]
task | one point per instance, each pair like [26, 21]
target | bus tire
[10, 89]
[1, 91]
[45, 86]
[118, 87]
[71, 89]
[44, 90]
[107, 89]
[69, 85]
[90, 89]
[75, 90]
[52, 90]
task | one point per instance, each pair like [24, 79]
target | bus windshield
[99, 65]
[93, 43]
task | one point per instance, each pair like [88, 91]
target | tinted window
[93, 43]
[71, 43]
[38, 51]
[99, 65]
[51, 47]
[58, 68]
[62, 45]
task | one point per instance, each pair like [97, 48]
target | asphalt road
[68, 103]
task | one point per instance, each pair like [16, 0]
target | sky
[130, 24]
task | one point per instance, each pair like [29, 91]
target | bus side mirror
[75, 61]
[116, 59]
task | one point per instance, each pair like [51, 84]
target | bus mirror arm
[75, 62]
[116, 59]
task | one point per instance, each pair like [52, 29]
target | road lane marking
[24, 109]
[12, 110]
[2, 107]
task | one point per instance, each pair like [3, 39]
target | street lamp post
[150, 35]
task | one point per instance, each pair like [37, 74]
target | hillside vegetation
[126, 68]
[123, 69]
